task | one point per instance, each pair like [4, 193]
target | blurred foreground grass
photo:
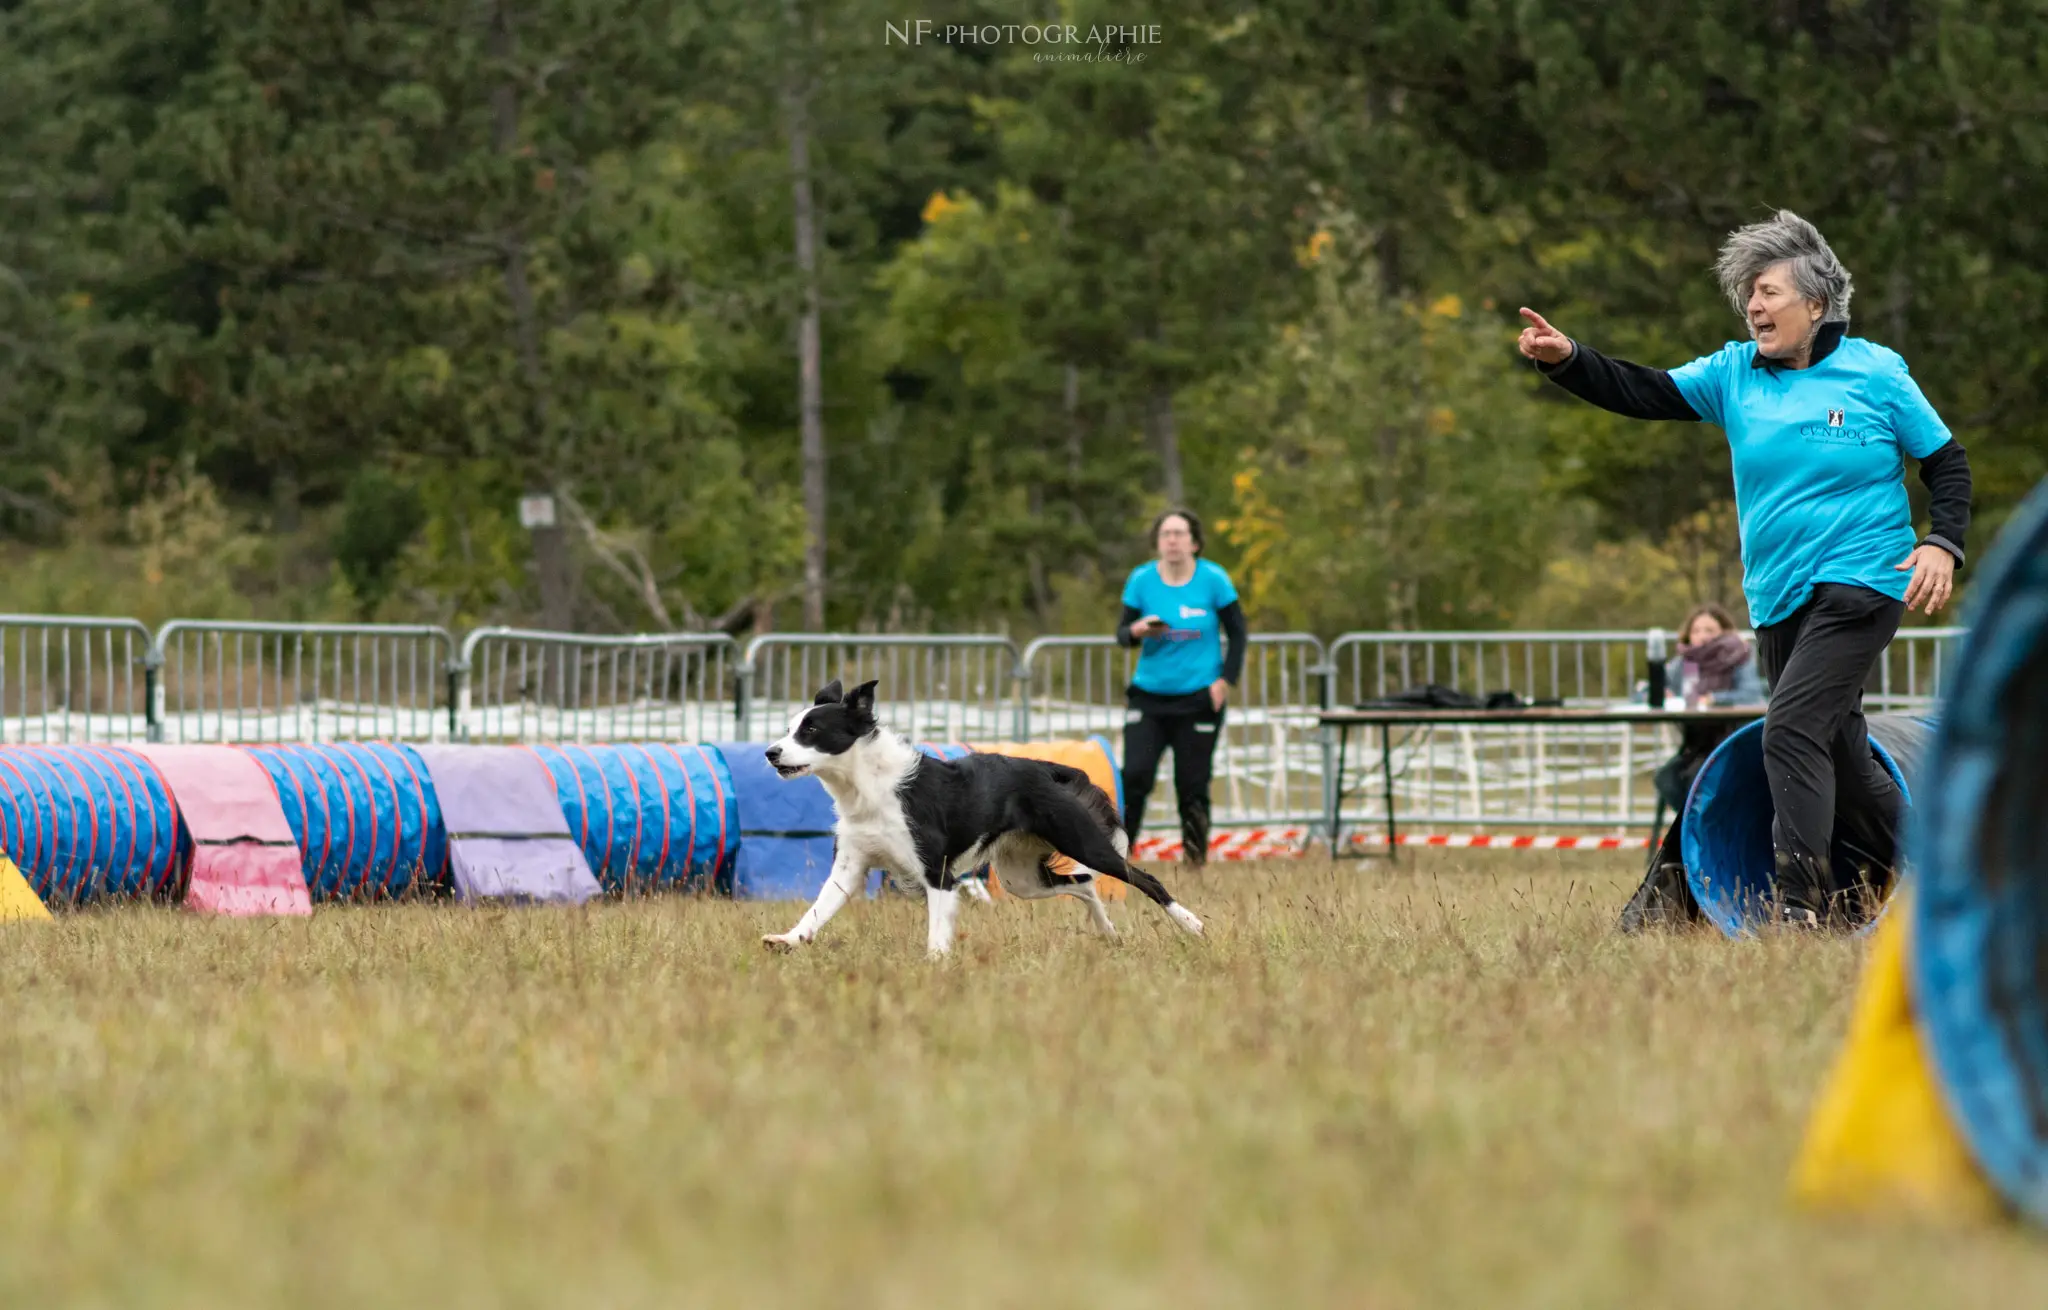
[1445, 1086]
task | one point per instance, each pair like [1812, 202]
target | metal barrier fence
[1269, 756]
[73, 679]
[519, 685]
[235, 682]
[1463, 777]
[107, 679]
[933, 687]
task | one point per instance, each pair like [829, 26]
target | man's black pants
[1191, 736]
[1817, 752]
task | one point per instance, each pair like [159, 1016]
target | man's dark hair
[1194, 526]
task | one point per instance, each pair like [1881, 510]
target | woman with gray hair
[1817, 423]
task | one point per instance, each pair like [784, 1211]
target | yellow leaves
[940, 205]
[1443, 421]
[1257, 529]
[1449, 306]
[636, 274]
[79, 300]
[1317, 246]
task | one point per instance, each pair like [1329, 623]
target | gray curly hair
[1784, 238]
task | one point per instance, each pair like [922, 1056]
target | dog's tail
[1156, 889]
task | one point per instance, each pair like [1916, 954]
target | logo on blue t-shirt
[1834, 418]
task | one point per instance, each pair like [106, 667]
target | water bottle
[1656, 647]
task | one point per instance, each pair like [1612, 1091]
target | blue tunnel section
[84, 822]
[364, 815]
[1726, 832]
[649, 817]
[1977, 957]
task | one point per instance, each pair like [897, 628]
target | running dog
[933, 820]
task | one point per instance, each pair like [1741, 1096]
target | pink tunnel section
[244, 859]
[507, 836]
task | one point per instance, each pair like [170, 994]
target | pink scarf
[1717, 661]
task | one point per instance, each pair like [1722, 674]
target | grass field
[1445, 1086]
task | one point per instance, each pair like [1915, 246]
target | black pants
[1191, 736]
[1817, 752]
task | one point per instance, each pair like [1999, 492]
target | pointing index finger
[1537, 319]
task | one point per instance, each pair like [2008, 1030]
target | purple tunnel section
[649, 817]
[507, 836]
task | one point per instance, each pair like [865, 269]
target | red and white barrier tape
[1275, 843]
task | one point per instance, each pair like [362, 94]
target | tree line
[801, 323]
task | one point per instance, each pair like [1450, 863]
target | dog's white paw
[782, 941]
[1185, 917]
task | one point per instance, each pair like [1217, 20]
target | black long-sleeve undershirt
[1230, 618]
[1946, 475]
[1615, 385]
[1638, 391]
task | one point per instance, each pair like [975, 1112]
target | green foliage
[1389, 466]
[344, 281]
[380, 515]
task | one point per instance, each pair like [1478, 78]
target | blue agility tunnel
[1978, 847]
[651, 817]
[785, 849]
[364, 815]
[1726, 832]
[86, 821]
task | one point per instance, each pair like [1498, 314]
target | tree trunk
[1034, 561]
[1070, 405]
[284, 500]
[810, 380]
[1167, 437]
[551, 563]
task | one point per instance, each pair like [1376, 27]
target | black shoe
[1664, 900]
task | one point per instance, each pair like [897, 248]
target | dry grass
[1446, 1086]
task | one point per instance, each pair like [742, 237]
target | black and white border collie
[933, 820]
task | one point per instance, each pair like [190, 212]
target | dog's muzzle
[785, 770]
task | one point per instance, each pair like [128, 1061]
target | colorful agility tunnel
[1939, 1101]
[367, 821]
[1726, 827]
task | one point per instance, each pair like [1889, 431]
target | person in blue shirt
[1819, 425]
[1177, 609]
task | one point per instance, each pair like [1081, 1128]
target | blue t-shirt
[1820, 491]
[1190, 656]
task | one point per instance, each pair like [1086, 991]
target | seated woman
[1713, 666]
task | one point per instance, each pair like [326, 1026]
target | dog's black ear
[830, 695]
[861, 700]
